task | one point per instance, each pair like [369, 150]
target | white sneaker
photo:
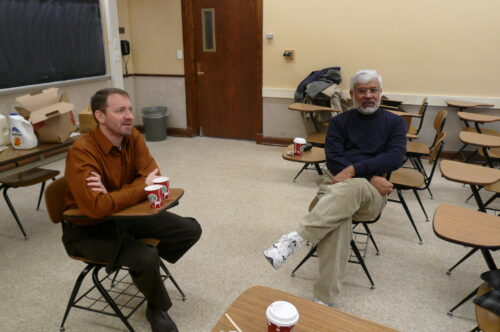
[281, 249]
[323, 303]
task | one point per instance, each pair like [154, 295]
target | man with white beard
[361, 146]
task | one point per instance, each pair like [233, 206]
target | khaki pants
[329, 224]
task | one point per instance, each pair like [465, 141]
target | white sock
[296, 236]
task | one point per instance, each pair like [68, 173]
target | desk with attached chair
[54, 199]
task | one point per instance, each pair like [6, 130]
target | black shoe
[160, 321]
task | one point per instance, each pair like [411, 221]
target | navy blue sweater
[374, 144]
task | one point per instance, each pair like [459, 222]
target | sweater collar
[369, 116]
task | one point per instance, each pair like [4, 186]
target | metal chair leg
[12, 210]
[421, 205]
[169, 275]
[430, 193]
[318, 169]
[470, 253]
[114, 277]
[311, 253]
[361, 262]
[367, 229]
[301, 170]
[408, 213]
[107, 297]
[467, 298]
[74, 293]
[42, 188]
[458, 152]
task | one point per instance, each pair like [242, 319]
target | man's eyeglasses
[372, 91]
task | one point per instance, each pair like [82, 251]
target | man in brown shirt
[107, 171]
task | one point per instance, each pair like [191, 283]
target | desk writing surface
[405, 114]
[476, 117]
[468, 173]
[312, 156]
[14, 155]
[466, 104]
[454, 224]
[13, 161]
[140, 209]
[248, 312]
[483, 140]
[309, 108]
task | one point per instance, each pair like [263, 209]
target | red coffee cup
[298, 144]
[163, 181]
[281, 316]
[155, 195]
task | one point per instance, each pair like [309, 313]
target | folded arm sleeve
[393, 155]
[81, 162]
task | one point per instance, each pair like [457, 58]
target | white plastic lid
[160, 179]
[153, 187]
[282, 313]
[299, 140]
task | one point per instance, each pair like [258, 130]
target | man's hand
[345, 174]
[153, 175]
[95, 183]
[383, 186]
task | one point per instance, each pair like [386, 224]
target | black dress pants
[176, 234]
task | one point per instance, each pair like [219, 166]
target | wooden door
[226, 68]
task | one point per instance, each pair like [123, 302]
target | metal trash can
[154, 119]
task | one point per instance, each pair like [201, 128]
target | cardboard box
[51, 115]
[86, 119]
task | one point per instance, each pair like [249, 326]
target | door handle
[198, 69]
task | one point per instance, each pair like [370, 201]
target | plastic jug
[4, 131]
[22, 135]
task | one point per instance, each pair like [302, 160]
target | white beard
[367, 110]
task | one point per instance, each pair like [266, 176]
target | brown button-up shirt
[123, 172]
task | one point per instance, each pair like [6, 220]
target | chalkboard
[49, 40]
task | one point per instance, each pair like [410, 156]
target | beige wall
[427, 47]
[124, 22]
[430, 48]
[156, 34]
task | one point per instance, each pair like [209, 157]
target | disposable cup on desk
[281, 316]
[298, 145]
[155, 195]
[163, 181]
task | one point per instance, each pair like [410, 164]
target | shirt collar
[104, 142]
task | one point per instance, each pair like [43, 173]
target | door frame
[188, 37]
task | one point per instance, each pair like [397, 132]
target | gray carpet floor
[244, 198]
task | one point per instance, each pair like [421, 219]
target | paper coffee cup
[298, 143]
[281, 317]
[163, 181]
[155, 195]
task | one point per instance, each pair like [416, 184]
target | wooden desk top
[248, 312]
[483, 140]
[467, 227]
[391, 102]
[476, 117]
[468, 173]
[466, 104]
[412, 115]
[141, 209]
[308, 108]
[12, 155]
[315, 155]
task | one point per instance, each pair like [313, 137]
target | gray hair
[365, 76]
